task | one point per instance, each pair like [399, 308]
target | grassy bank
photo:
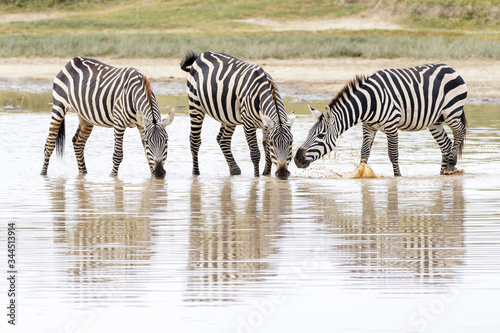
[271, 45]
[223, 15]
[429, 28]
[189, 16]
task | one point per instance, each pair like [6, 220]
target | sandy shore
[304, 79]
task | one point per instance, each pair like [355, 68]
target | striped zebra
[235, 92]
[409, 99]
[106, 96]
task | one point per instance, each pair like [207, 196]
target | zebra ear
[168, 119]
[141, 120]
[268, 122]
[291, 119]
[327, 114]
[314, 112]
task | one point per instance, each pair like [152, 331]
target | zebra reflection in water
[233, 247]
[379, 233]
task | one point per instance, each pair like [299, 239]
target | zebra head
[279, 141]
[155, 142]
[321, 139]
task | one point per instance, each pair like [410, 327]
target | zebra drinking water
[409, 99]
[106, 96]
[234, 92]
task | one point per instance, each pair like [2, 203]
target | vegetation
[64, 28]
[454, 14]
[273, 45]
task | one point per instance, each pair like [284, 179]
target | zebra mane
[273, 94]
[147, 85]
[149, 93]
[351, 85]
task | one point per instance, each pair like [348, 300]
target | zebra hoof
[448, 170]
[196, 173]
[455, 171]
[235, 172]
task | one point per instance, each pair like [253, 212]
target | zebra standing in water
[389, 100]
[234, 92]
[106, 96]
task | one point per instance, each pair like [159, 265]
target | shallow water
[320, 252]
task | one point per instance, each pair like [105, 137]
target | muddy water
[320, 252]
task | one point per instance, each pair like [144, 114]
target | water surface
[320, 252]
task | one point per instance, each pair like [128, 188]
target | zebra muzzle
[282, 172]
[158, 170]
[301, 161]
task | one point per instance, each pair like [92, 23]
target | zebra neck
[352, 104]
[145, 110]
[273, 107]
[278, 118]
[347, 117]
[151, 115]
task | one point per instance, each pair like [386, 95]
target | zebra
[102, 95]
[235, 92]
[408, 99]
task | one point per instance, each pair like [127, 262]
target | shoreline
[302, 80]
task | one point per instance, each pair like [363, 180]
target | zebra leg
[269, 162]
[251, 135]
[150, 162]
[224, 141]
[79, 140]
[459, 127]
[56, 135]
[392, 145]
[368, 137]
[118, 149]
[444, 142]
[195, 137]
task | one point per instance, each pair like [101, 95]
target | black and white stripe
[234, 93]
[409, 99]
[106, 96]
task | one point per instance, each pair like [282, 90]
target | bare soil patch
[301, 78]
[363, 21]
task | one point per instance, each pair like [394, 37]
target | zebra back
[103, 94]
[421, 95]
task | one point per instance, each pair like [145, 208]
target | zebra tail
[462, 144]
[60, 140]
[188, 60]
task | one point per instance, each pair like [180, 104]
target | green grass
[16, 101]
[200, 16]
[431, 29]
[249, 46]
[456, 14]
[43, 5]
[190, 16]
